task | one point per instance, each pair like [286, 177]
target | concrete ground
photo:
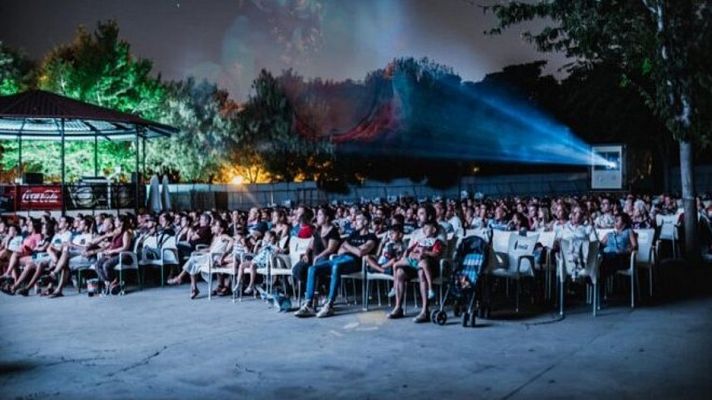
[159, 344]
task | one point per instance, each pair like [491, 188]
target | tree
[664, 49]
[98, 67]
[15, 71]
[266, 133]
[205, 118]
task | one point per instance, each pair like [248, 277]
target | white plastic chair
[132, 265]
[643, 257]
[546, 239]
[591, 271]
[518, 262]
[668, 231]
[280, 265]
[167, 255]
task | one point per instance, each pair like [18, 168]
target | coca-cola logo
[46, 196]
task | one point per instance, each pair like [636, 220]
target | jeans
[105, 266]
[343, 264]
[299, 273]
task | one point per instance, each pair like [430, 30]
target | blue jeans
[343, 264]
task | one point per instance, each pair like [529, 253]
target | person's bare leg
[12, 264]
[39, 268]
[398, 283]
[194, 286]
[23, 275]
[427, 274]
[253, 275]
[423, 288]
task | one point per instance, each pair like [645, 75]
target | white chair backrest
[645, 245]
[170, 257]
[668, 230]
[545, 238]
[150, 241]
[298, 247]
[500, 240]
[521, 246]
[592, 258]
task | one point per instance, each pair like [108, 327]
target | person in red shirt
[23, 255]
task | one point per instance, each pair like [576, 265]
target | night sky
[229, 41]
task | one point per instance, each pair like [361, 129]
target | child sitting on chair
[264, 254]
[428, 248]
[390, 251]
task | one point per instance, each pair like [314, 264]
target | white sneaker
[326, 311]
[392, 293]
[431, 294]
[305, 311]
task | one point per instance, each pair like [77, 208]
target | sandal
[25, 291]
[54, 295]
[194, 293]
[173, 281]
[225, 292]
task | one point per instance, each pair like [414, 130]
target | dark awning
[38, 115]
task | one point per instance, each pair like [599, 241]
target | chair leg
[378, 292]
[650, 280]
[162, 275]
[516, 307]
[632, 289]
[595, 298]
[79, 279]
[353, 285]
[561, 297]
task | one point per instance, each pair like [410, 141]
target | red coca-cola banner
[44, 197]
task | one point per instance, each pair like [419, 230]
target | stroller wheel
[433, 316]
[473, 317]
[465, 319]
[441, 318]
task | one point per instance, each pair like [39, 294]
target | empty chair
[643, 257]
[668, 231]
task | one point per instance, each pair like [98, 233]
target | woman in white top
[199, 259]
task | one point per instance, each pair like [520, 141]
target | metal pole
[64, 207]
[19, 156]
[138, 177]
[96, 155]
[143, 157]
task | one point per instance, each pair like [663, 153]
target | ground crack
[144, 361]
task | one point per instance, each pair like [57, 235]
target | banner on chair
[607, 167]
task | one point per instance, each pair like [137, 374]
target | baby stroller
[470, 259]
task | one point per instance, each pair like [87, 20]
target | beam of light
[462, 122]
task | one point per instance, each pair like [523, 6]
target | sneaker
[392, 293]
[431, 294]
[305, 311]
[326, 311]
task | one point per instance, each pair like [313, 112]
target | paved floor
[159, 344]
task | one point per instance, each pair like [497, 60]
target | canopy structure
[40, 115]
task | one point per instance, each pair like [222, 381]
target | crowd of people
[42, 253]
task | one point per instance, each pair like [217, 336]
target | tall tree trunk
[688, 197]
